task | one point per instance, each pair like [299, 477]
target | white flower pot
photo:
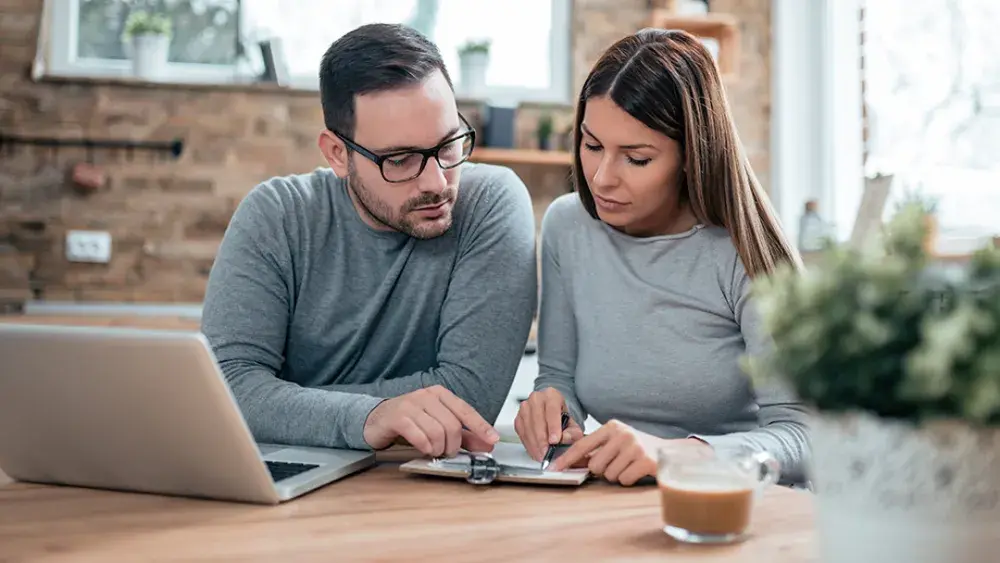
[887, 491]
[473, 68]
[149, 55]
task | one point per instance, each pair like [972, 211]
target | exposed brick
[183, 250]
[187, 185]
[137, 183]
[17, 23]
[167, 217]
[120, 272]
[20, 6]
[208, 225]
[124, 295]
[15, 270]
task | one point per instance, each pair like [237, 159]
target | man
[387, 297]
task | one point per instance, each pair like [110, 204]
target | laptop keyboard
[281, 470]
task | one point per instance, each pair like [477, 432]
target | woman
[646, 269]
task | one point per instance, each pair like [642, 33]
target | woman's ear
[335, 152]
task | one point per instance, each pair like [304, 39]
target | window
[86, 38]
[529, 56]
[816, 147]
[933, 100]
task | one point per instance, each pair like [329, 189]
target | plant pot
[891, 491]
[544, 142]
[473, 68]
[930, 241]
[149, 55]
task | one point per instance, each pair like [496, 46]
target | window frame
[62, 61]
[817, 149]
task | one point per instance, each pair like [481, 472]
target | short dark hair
[372, 58]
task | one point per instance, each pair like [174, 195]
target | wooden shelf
[521, 156]
[723, 28]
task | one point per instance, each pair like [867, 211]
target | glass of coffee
[708, 496]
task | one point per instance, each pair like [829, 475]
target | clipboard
[507, 463]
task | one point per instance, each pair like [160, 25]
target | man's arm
[489, 306]
[245, 317]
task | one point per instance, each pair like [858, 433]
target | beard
[402, 220]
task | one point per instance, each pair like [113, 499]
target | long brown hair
[668, 81]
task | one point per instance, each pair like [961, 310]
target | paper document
[509, 455]
[516, 465]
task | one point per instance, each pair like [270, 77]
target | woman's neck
[671, 221]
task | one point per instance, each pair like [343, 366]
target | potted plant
[545, 128]
[929, 204]
[148, 37]
[901, 366]
[474, 59]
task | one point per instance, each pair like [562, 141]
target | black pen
[552, 447]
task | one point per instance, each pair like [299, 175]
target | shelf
[521, 156]
[723, 28]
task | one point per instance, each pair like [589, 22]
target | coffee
[709, 503]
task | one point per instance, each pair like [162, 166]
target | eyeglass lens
[406, 166]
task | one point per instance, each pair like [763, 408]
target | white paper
[513, 455]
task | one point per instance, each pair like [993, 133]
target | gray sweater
[315, 317]
[650, 331]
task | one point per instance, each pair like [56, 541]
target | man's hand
[538, 423]
[621, 453]
[433, 420]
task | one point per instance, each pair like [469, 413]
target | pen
[552, 448]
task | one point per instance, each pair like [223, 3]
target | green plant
[545, 126]
[473, 46]
[146, 23]
[883, 331]
[917, 196]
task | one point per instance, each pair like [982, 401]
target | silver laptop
[144, 411]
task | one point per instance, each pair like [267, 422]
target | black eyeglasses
[403, 166]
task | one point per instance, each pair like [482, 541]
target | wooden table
[383, 514]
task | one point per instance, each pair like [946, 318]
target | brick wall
[166, 217]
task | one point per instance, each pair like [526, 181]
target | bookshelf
[723, 28]
[521, 156]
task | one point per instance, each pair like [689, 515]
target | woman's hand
[620, 453]
[538, 423]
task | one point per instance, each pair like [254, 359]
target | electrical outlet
[88, 246]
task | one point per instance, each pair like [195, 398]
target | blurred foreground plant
[880, 330]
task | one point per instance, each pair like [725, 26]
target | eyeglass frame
[378, 159]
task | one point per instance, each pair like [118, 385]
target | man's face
[418, 117]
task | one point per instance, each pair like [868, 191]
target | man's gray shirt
[315, 317]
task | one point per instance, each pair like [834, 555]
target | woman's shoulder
[564, 210]
[565, 215]
[720, 242]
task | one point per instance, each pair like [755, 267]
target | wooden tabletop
[384, 514]
[381, 514]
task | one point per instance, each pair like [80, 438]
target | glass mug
[708, 496]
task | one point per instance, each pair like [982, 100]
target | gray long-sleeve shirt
[315, 317]
[650, 331]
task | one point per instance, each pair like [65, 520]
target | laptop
[144, 411]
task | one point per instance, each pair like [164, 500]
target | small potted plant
[148, 37]
[930, 205]
[474, 60]
[545, 128]
[900, 364]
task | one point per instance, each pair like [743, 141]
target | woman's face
[632, 171]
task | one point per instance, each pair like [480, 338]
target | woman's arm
[783, 420]
[557, 344]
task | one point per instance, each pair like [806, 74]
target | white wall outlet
[88, 246]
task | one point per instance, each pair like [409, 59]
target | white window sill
[179, 80]
[215, 80]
